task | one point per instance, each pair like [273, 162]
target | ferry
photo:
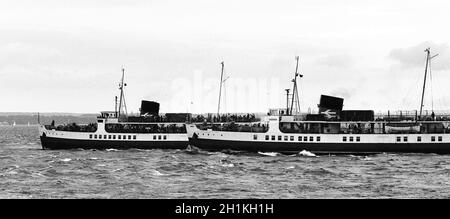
[331, 131]
[116, 130]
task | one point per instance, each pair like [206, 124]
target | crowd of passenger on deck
[73, 127]
[249, 117]
[145, 128]
[157, 119]
[180, 118]
[235, 127]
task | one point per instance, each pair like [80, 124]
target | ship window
[104, 136]
[90, 136]
[318, 138]
[273, 137]
[99, 136]
[109, 136]
[279, 137]
[405, 138]
[129, 137]
[344, 138]
[285, 138]
[154, 137]
[114, 136]
[419, 138]
[159, 137]
[399, 139]
[292, 138]
[134, 137]
[358, 138]
[299, 138]
[95, 136]
[433, 138]
[311, 138]
[124, 137]
[305, 138]
[100, 121]
[255, 137]
[351, 138]
[267, 137]
[119, 136]
[439, 138]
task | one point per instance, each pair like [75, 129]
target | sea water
[27, 171]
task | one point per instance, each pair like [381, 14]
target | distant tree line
[59, 119]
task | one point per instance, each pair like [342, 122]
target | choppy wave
[270, 154]
[306, 153]
[26, 171]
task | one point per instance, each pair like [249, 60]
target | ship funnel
[330, 106]
[149, 108]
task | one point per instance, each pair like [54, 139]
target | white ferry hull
[277, 141]
[55, 140]
[319, 148]
[66, 143]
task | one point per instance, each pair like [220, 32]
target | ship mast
[122, 95]
[220, 89]
[295, 102]
[428, 63]
[287, 101]
[115, 106]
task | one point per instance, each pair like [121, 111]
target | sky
[66, 56]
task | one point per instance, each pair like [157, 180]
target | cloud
[415, 56]
[340, 61]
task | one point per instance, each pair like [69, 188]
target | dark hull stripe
[320, 148]
[64, 143]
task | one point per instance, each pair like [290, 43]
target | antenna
[295, 103]
[220, 89]
[287, 101]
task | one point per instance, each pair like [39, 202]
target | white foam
[157, 173]
[270, 154]
[222, 155]
[111, 149]
[228, 165]
[12, 172]
[306, 153]
[65, 160]
[367, 158]
[290, 167]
